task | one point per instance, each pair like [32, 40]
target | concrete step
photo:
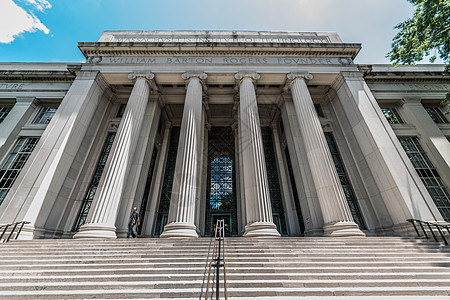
[236, 292]
[175, 268]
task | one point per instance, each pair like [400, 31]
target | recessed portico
[276, 132]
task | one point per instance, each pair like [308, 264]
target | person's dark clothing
[132, 225]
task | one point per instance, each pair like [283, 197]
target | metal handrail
[438, 226]
[11, 233]
[219, 260]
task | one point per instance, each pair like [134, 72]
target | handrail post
[4, 231]
[218, 259]
[20, 229]
[432, 232]
[12, 231]
[423, 229]
[415, 228]
[442, 235]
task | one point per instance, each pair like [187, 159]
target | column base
[96, 231]
[342, 229]
[261, 229]
[179, 230]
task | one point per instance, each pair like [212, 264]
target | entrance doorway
[221, 184]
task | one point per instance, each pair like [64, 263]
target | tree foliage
[426, 33]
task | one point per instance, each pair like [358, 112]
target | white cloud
[39, 4]
[14, 20]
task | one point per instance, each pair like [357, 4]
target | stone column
[14, 121]
[46, 173]
[181, 217]
[430, 135]
[338, 220]
[100, 222]
[256, 187]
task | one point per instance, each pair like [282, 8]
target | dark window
[14, 164]
[391, 115]
[4, 111]
[436, 115]
[166, 190]
[121, 110]
[148, 184]
[87, 201]
[44, 115]
[428, 174]
[294, 190]
[345, 181]
[274, 181]
[221, 192]
[319, 110]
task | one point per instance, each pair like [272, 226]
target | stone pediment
[154, 43]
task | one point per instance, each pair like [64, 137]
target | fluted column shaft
[181, 217]
[103, 212]
[335, 210]
[256, 187]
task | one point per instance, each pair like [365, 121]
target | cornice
[155, 49]
[31, 75]
[408, 80]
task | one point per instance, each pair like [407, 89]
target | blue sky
[49, 30]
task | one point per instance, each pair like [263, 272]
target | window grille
[14, 164]
[4, 111]
[44, 115]
[273, 181]
[148, 184]
[392, 115]
[436, 115]
[345, 181]
[87, 201]
[221, 181]
[166, 189]
[319, 110]
[294, 190]
[121, 110]
[428, 174]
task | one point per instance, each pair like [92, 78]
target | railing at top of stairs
[218, 260]
[4, 230]
[430, 225]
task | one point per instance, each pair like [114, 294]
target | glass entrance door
[221, 191]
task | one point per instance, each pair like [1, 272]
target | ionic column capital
[292, 77]
[201, 76]
[190, 75]
[241, 75]
[147, 76]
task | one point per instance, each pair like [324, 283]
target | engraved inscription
[239, 39]
[12, 86]
[227, 60]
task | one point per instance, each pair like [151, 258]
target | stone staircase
[175, 268]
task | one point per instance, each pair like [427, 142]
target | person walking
[133, 224]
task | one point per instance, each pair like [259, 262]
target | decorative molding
[187, 76]
[343, 55]
[147, 76]
[291, 77]
[113, 126]
[33, 75]
[241, 76]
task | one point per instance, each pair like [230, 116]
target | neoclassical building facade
[278, 133]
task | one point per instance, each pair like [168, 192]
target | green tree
[426, 32]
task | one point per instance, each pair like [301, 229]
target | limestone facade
[280, 133]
